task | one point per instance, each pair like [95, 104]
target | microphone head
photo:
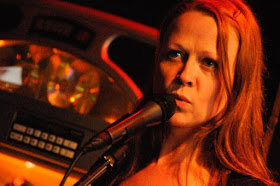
[167, 104]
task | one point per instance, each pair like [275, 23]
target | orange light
[72, 99]
[57, 86]
[2, 43]
[110, 119]
[18, 181]
[94, 90]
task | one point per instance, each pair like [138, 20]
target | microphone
[159, 109]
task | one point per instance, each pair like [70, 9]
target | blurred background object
[60, 84]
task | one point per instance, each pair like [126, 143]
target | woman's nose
[187, 75]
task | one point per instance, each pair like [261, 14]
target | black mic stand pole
[108, 161]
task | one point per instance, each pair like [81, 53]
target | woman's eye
[174, 54]
[210, 63]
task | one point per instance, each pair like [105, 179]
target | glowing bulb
[29, 164]
[2, 42]
[72, 99]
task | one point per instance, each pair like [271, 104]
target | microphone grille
[167, 104]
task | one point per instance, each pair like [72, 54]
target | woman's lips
[181, 101]
[182, 98]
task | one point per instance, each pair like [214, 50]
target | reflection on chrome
[60, 79]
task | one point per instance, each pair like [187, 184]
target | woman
[210, 59]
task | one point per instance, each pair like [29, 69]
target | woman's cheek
[168, 74]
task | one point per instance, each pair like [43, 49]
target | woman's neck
[176, 165]
[179, 144]
[180, 155]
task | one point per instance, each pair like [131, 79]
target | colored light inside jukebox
[86, 92]
[72, 85]
[62, 81]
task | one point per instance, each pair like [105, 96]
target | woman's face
[187, 68]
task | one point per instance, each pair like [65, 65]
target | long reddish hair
[233, 140]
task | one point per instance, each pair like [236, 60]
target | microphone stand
[111, 158]
[160, 108]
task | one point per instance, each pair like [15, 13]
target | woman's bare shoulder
[146, 177]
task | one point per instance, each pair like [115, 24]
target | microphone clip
[108, 161]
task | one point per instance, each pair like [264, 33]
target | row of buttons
[44, 140]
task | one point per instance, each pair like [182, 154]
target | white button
[19, 127]
[70, 144]
[33, 142]
[16, 136]
[41, 144]
[70, 154]
[63, 151]
[59, 140]
[52, 138]
[26, 139]
[44, 136]
[56, 149]
[49, 147]
[37, 133]
[67, 153]
[30, 131]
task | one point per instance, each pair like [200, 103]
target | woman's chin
[183, 121]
